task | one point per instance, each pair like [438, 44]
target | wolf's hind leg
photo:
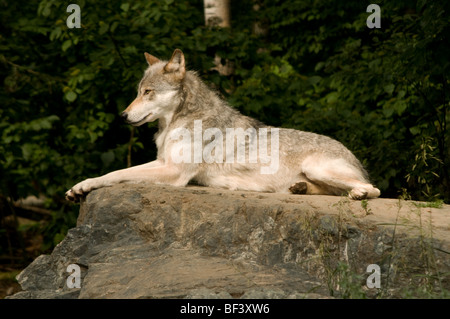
[341, 185]
[363, 192]
[340, 178]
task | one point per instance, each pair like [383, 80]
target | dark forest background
[315, 66]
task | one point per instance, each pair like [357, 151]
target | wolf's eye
[146, 92]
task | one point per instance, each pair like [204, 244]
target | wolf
[305, 162]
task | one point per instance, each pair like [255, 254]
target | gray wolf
[193, 121]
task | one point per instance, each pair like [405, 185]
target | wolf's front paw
[81, 189]
[70, 196]
[299, 188]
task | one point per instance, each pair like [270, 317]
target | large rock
[150, 241]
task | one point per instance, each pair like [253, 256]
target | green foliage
[435, 204]
[382, 92]
[345, 283]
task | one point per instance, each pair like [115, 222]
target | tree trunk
[217, 14]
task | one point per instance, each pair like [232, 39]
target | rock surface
[153, 241]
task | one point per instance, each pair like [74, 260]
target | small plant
[346, 284]
[425, 168]
[365, 206]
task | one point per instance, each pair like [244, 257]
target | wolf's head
[159, 92]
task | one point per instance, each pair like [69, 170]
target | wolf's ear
[176, 63]
[150, 59]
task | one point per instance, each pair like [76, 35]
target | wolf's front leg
[88, 185]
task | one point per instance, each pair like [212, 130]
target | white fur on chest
[162, 136]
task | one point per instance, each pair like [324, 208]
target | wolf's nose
[124, 115]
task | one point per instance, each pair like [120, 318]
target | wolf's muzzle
[124, 115]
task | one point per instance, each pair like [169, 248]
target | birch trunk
[217, 14]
